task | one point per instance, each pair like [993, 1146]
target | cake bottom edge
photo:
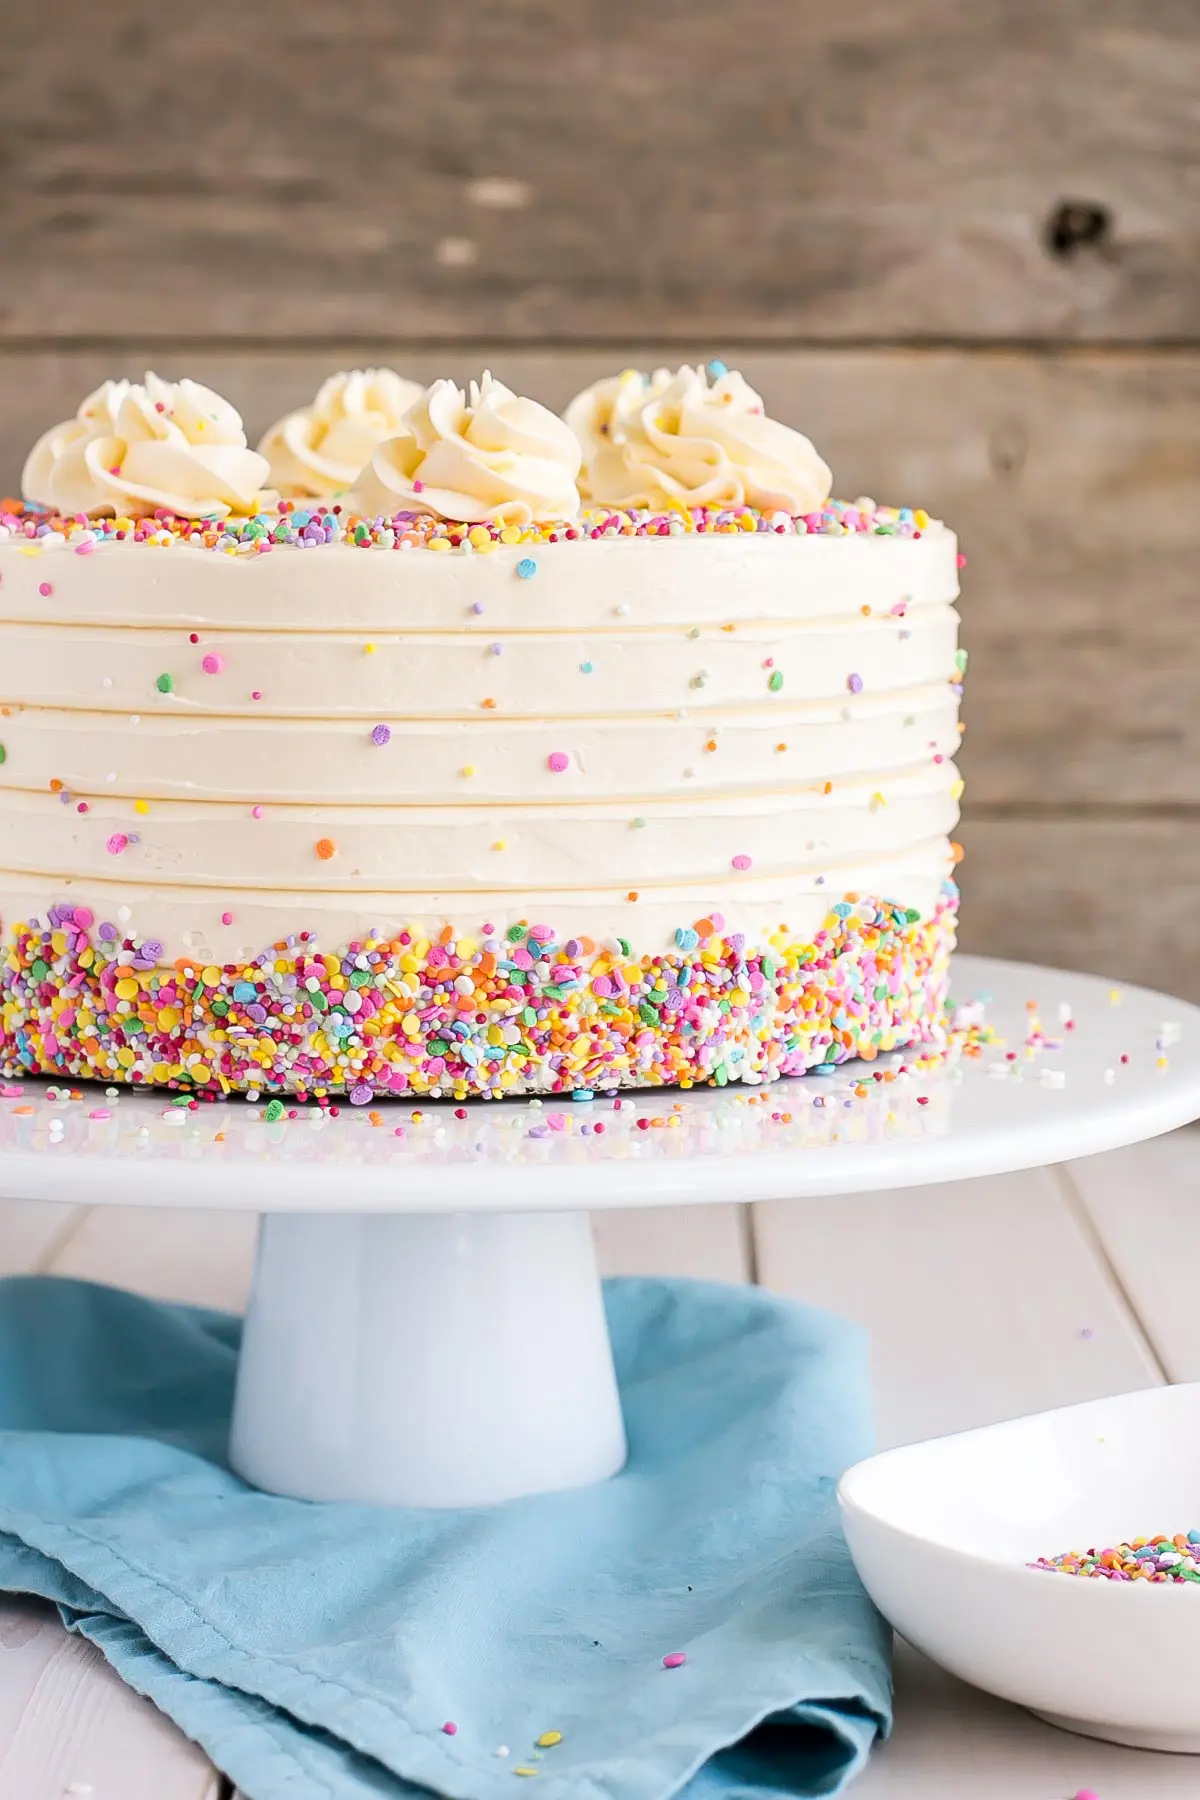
[438, 1018]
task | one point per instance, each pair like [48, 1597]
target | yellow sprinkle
[368, 649]
[468, 768]
[127, 989]
[499, 844]
[511, 534]
[920, 518]
[522, 1770]
[549, 1737]
[139, 806]
[479, 534]
[438, 543]
[956, 789]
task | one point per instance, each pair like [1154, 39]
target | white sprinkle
[502, 1750]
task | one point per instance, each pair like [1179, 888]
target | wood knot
[1077, 225]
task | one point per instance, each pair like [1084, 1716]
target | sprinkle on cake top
[299, 525]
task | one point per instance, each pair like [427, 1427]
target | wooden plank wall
[958, 245]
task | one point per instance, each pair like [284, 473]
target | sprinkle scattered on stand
[675, 1660]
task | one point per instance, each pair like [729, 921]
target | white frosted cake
[466, 783]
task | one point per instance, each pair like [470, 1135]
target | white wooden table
[984, 1299]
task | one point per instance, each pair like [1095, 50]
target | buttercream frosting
[485, 454]
[136, 448]
[318, 450]
[688, 440]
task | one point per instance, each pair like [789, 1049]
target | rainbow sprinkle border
[500, 1016]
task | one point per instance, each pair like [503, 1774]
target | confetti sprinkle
[165, 684]
[557, 761]
[213, 663]
[382, 734]
[325, 848]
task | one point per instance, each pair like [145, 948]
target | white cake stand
[426, 1323]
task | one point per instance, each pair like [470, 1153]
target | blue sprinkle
[686, 938]
[841, 909]
[244, 990]
[716, 368]
[526, 567]
[583, 1094]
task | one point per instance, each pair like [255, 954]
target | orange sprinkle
[632, 895]
[957, 853]
[780, 747]
[56, 787]
[487, 703]
[325, 848]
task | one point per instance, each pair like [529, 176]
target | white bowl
[942, 1534]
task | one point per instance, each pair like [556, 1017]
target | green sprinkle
[647, 1013]
[960, 661]
[165, 684]
[626, 949]
[776, 680]
[40, 970]
[515, 933]
[274, 1111]
[528, 1016]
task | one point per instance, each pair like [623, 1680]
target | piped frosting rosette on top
[685, 440]
[317, 451]
[138, 448]
[484, 454]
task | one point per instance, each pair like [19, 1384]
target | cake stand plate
[426, 1324]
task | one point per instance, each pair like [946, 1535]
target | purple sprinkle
[107, 932]
[257, 1013]
[382, 734]
[854, 683]
[362, 1095]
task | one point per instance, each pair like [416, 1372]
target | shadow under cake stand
[426, 1324]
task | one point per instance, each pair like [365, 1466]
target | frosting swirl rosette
[318, 450]
[138, 448]
[488, 454]
[662, 440]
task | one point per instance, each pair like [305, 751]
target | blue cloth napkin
[316, 1651]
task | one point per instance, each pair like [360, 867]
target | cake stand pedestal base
[418, 1360]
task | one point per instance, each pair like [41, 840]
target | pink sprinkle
[83, 917]
[227, 918]
[418, 487]
[82, 806]
[85, 549]
[1087, 1794]
[256, 812]
[212, 664]
[450, 1728]
[742, 862]
[45, 590]
[557, 761]
[961, 560]
[11, 1093]
[99, 1112]
[116, 843]
[256, 694]
[676, 1660]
